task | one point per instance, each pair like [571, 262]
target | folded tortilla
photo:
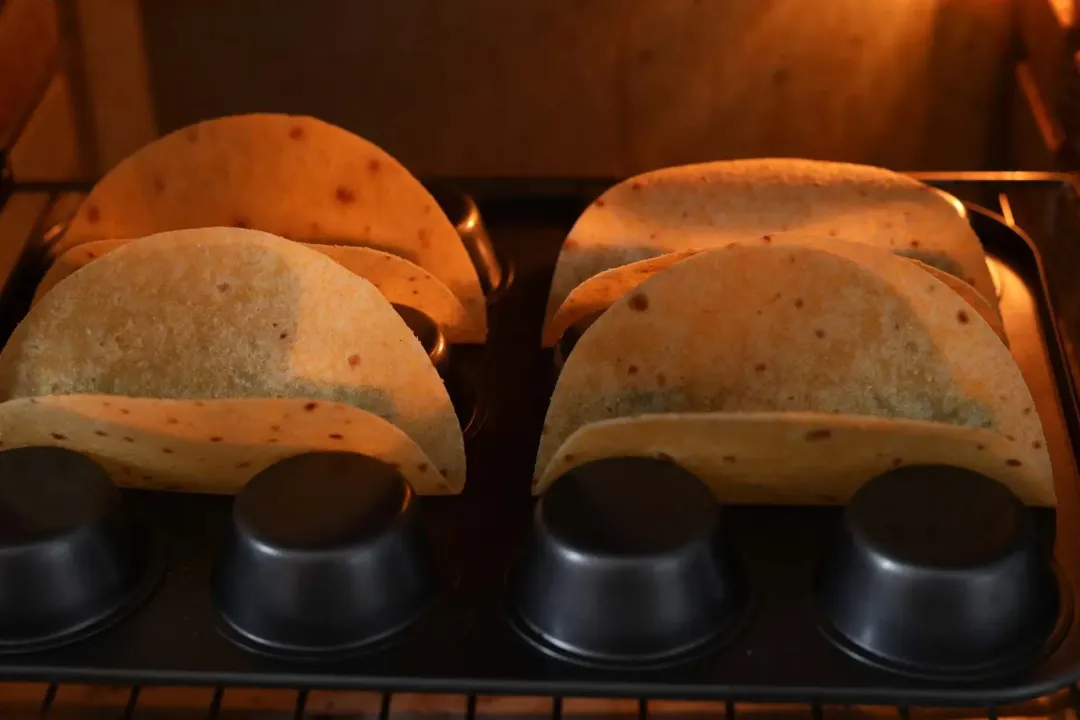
[802, 458]
[598, 292]
[210, 446]
[226, 314]
[712, 204]
[294, 176]
[399, 280]
[842, 328]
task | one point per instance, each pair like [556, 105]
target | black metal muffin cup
[938, 573]
[327, 558]
[73, 561]
[628, 567]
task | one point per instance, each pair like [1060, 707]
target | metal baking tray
[467, 642]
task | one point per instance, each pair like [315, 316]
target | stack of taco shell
[786, 330]
[224, 298]
[191, 360]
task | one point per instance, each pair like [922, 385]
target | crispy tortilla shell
[802, 458]
[212, 446]
[294, 176]
[598, 292]
[399, 280]
[711, 204]
[225, 313]
[840, 328]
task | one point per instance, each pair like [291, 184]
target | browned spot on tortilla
[887, 224]
[101, 433]
[661, 379]
[635, 186]
[1027, 411]
[129, 439]
[930, 288]
[241, 222]
[158, 184]
[172, 421]
[766, 238]
[58, 436]
[444, 472]
[1011, 438]
[91, 255]
[167, 451]
[863, 192]
[354, 360]
[272, 440]
[296, 132]
[685, 214]
[820, 333]
[1013, 462]
[216, 438]
[147, 477]
[599, 202]
[1036, 445]
[283, 335]
[980, 446]
[125, 411]
[192, 134]
[833, 233]
[962, 316]
[652, 236]
[897, 462]
[422, 467]
[415, 291]
[639, 302]
[242, 465]
[413, 278]
[222, 287]
[568, 457]
[729, 458]
[423, 236]
[759, 368]
[275, 428]
[374, 166]
[914, 243]
[632, 369]
[777, 296]
[311, 406]
[316, 229]
[336, 436]
[345, 195]
[93, 214]
[799, 303]
[427, 209]
[820, 434]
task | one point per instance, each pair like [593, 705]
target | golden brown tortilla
[225, 313]
[802, 458]
[212, 446]
[294, 176]
[600, 291]
[399, 280]
[712, 204]
[840, 328]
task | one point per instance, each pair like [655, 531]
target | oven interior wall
[543, 88]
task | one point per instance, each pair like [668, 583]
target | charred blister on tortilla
[343, 526]
[79, 559]
[939, 539]
[662, 542]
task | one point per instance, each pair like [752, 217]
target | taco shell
[802, 458]
[399, 280]
[710, 204]
[294, 176]
[599, 292]
[841, 328]
[212, 446]
[225, 313]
